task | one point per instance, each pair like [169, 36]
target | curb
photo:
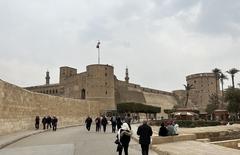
[19, 138]
[31, 134]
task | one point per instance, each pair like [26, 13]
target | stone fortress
[98, 83]
[92, 92]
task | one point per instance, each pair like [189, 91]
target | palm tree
[188, 87]
[222, 77]
[216, 72]
[232, 72]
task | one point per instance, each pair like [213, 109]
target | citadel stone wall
[135, 93]
[18, 108]
[160, 100]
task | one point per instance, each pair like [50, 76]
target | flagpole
[98, 47]
[99, 55]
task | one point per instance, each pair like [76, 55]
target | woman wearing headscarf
[124, 137]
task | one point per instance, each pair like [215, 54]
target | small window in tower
[56, 91]
[106, 92]
[53, 91]
[105, 83]
[105, 74]
[195, 81]
[83, 94]
[105, 68]
[46, 91]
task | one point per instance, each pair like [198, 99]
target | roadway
[70, 141]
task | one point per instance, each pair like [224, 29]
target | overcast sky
[161, 41]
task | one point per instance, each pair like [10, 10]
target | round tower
[100, 85]
[204, 85]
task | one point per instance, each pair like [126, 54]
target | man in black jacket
[145, 133]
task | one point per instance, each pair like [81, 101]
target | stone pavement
[78, 141]
[14, 137]
[193, 148]
[189, 147]
[64, 149]
[69, 141]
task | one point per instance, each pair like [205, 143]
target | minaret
[47, 78]
[127, 77]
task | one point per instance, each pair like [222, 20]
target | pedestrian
[175, 128]
[54, 123]
[163, 131]
[37, 120]
[98, 124]
[124, 137]
[88, 123]
[128, 120]
[145, 133]
[44, 122]
[119, 123]
[114, 123]
[49, 122]
[104, 123]
[170, 129]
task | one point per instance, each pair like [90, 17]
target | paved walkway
[69, 141]
[78, 141]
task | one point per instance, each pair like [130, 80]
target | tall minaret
[127, 77]
[47, 78]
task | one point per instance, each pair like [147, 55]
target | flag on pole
[98, 44]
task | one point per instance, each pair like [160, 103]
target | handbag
[119, 147]
[117, 141]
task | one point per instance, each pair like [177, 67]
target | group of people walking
[124, 132]
[102, 122]
[47, 121]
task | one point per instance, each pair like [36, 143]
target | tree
[222, 77]
[136, 108]
[216, 72]
[232, 72]
[211, 107]
[188, 87]
[232, 96]
[213, 104]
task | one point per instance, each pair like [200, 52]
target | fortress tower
[100, 84]
[204, 85]
[66, 72]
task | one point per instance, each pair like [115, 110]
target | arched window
[83, 94]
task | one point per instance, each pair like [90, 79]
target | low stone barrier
[169, 139]
[235, 144]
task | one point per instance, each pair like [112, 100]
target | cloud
[160, 41]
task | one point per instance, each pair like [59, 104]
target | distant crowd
[48, 122]
[101, 122]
